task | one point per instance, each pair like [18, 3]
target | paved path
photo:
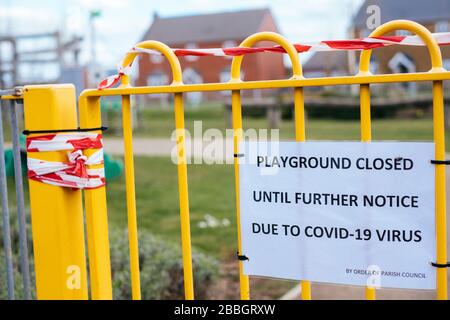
[211, 151]
[142, 146]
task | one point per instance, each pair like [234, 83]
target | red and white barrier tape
[442, 39]
[114, 79]
[73, 173]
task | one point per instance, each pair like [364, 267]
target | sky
[123, 22]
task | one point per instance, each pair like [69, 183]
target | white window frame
[229, 44]
[225, 76]
[157, 78]
[402, 33]
[446, 63]
[156, 58]
[191, 46]
[442, 26]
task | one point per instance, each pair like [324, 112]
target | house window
[191, 76]
[225, 76]
[442, 26]
[374, 66]
[191, 46]
[156, 58]
[447, 64]
[402, 33]
[157, 79]
[229, 44]
[364, 33]
[402, 63]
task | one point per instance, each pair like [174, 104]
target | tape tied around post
[73, 173]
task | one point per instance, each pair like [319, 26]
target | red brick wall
[272, 63]
[254, 67]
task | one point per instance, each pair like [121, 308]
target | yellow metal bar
[299, 106]
[439, 133]
[127, 124]
[267, 36]
[9, 97]
[181, 145]
[56, 212]
[237, 126]
[366, 136]
[275, 84]
[300, 135]
[306, 290]
[366, 122]
[96, 214]
[236, 108]
[184, 198]
[441, 217]
[163, 49]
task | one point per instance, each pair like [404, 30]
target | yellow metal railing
[237, 128]
[95, 200]
[439, 134]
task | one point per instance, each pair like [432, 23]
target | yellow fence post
[238, 133]
[127, 127]
[181, 164]
[96, 213]
[439, 135]
[244, 281]
[56, 212]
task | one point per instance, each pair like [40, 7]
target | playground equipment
[55, 209]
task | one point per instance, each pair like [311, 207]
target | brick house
[327, 64]
[433, 14]
[227, 29]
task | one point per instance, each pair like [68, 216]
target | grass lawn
[211, 190]
[159, 123]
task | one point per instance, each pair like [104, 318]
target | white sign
[339, 212]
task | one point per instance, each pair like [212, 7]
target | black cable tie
[242, 257]
[441, 265]
[28, 132]
[239, 155]
[442, 162]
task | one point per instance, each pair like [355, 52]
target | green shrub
[161, 268]
[160, 264]
[18, 283]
